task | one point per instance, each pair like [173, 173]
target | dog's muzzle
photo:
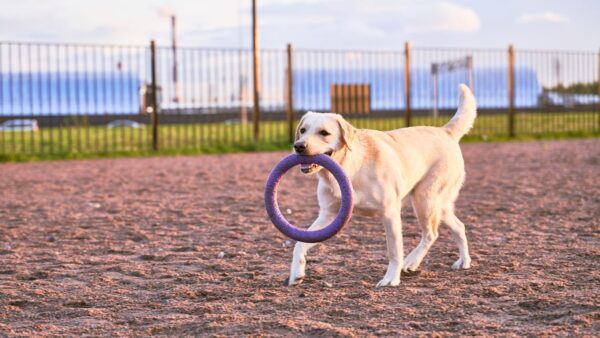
[309, 168]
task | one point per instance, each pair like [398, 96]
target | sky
[322, 24]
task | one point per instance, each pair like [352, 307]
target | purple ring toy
[308, 236]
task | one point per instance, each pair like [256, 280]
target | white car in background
[20, 125]
[123, 124]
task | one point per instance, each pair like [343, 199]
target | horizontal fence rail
[71, 99]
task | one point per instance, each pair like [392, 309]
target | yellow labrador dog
[423, 163]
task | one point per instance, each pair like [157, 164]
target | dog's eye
[302, 130]
[324, 133]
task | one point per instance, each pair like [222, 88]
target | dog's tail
[465, 116]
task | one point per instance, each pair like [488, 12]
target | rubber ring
[301, 235]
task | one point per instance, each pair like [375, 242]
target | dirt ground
[183, 246]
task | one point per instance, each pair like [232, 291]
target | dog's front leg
[297, 270]
[393, 231]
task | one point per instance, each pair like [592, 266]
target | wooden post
[407, 82]
[290, 94]
[154, 96]
[256, 72]
[511, 91]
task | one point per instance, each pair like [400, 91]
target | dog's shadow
[409, 274]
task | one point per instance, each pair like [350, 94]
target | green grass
[184, 139]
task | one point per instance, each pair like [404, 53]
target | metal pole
[290, 94]
[174, 50]
[511, 91]
[470, 71]
[434, 83]
[242, 82]
[598, 85]
[256, 72]
[407, 82]
[154, 96]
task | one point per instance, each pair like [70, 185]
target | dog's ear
[298, 127]
[347, 131]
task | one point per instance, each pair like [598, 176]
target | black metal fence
[69, 99]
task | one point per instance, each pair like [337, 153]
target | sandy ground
[183, 246]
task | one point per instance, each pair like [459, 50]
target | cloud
[442, 17]
[310, 23]
[286, 2]
[547, 16]
[362, 23]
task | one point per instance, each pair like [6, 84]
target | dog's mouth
[309, 168]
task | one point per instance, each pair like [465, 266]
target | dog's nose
[300, 147]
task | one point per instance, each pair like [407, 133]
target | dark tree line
[579, 88]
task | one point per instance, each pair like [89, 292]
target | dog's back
[429, 145]
[434, 151]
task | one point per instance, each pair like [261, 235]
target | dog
[422, 163]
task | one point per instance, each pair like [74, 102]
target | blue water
[311, 87]
[66, 93]
[118, 92]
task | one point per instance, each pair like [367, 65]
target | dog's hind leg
[458, 234]
[428, 213]
[297, 269]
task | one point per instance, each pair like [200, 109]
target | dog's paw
[388, 282]
[462, 263]
[411, 263]
[293, 281]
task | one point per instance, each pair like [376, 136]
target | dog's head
[322, 133]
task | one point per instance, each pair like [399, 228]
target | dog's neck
[348, 157]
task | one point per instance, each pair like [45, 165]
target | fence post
[154, 96]
[511, 91]
[256, 72]
[407, 82]
[290, 95]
